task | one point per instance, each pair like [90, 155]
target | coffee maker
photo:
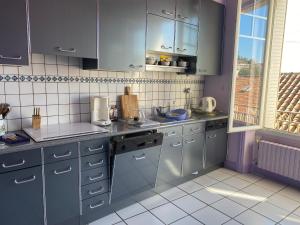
[100, 111]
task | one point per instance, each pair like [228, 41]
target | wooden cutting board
[129, 104]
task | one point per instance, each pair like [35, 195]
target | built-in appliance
[100, 110]
[208, 104]
[134, 162]
[60, 131]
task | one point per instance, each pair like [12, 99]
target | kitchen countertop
[117, 128]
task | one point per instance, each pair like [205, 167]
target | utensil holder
[36, 122]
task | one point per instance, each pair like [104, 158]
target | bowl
[177, 114]
[182, 64]
[150, 61]
[165, 63]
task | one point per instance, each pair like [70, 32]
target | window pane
[261, 8]
[248, 6]
[246, 25]
[260, 28]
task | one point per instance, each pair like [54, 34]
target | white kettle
[208, 104]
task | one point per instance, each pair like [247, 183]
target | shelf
[159, 68]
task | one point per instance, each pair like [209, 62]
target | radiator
[280, 159]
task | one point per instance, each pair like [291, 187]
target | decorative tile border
[107, 80]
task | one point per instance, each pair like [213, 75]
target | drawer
[171, 131]
[95, 204]
[172, 143]
[94, 175]
[94, 189]
[60, 152]
[20, 160]
[194, 128]
[94, 146]
[93, 161]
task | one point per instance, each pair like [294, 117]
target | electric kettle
[208, 104]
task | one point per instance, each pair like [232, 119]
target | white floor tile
[291, 193]
[145, 218]
[228, 207]
[153, 202]
[130, 211]
[283, 202]
[189, 204]
[107, 220]
[232, 222]
[205, 181]
[227, 171]
[271, 185]
[168, 213]
[190, 187]
[291, 220]
[249, 177]
[252, 218]
[218, 175]
[237, 182]
[272, 212]
[187, 221]
[210, 216]
[206, 196]
[297, 212]
[173, 193]
[222, 189]
[246, 199]
[258, 191]
[120, 223]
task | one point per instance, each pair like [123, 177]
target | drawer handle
[13, 165]
[97, 205]
[25, 180]
[143, 156]
[96, 177]
[195, 173]
[181, 50]
[212, 136]
[164, 47]
[171, 134]
[176, 145]
[191, 141]
[62, 156]
[196, 130]
[167, 12]
[71, 50]
[182, 17]
[97, 163]
[95, 149]
[63, 171]
[97, 191]
[10, 57]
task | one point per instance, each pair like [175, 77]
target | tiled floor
[220, 197]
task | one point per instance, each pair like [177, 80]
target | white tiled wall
[67, 100]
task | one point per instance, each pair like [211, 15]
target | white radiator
[280, 159]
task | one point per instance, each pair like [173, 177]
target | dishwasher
[134, 162]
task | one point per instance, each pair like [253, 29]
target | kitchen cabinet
[14, 32]
[210, 42]
[62, 192]
[64, 27]
[122, 33]
[187, 11]
[160, 34]
[165, 8]
[215, 147]
[186, 39]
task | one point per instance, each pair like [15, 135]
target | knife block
[36, 122]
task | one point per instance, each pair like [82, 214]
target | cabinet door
[165, 8]
[64, 27]
[215, 147]
[14, 36]
[210, 45]
[21, 194]
[122, 35]
[193, 154]
[160, 34]
[186, 39]
[62, 192]
[187, 11]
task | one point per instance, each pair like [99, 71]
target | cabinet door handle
[25, 180]
[190, 141]
[10, 57]
[96, 149]
[97, 205]
[176, 145]
[143, 156]
[62, 156]
[212, 136]
[13, 165]
[195, 173]
[71, 50]
[96, 163]
[96, 191]
[167, 12]
[63, 171]
[195, 130]
[173, 133]
[181, 49]
[182, 17]
[165, 47]
[96, 177]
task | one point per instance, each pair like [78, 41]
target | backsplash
[62, 89]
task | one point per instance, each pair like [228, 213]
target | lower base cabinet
[21, 194]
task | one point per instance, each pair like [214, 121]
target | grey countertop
[117, 128]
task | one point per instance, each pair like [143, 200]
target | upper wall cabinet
[186, 39]
[160, 34]
[210, 43]
[64, 27]
[187, 11]
[165, 8]
[14, 35]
